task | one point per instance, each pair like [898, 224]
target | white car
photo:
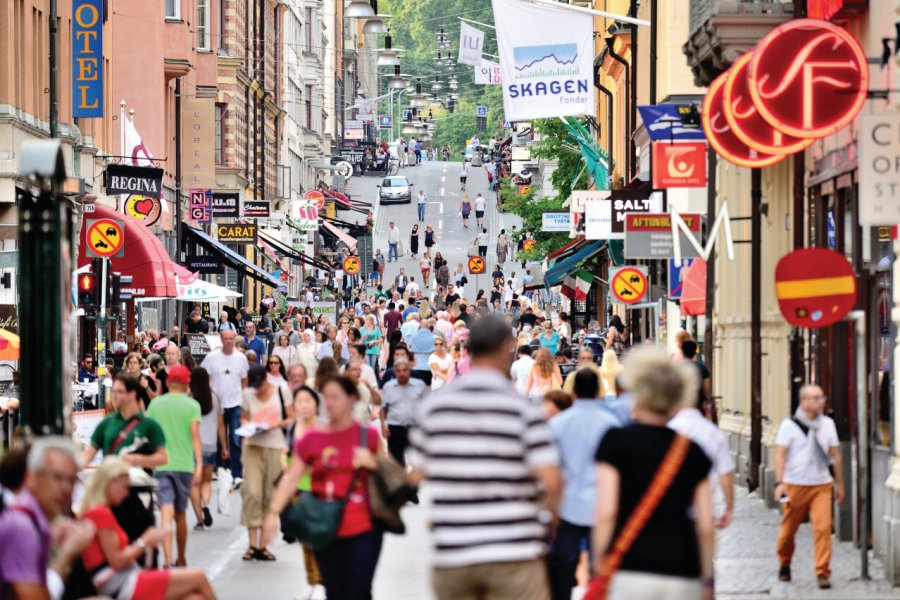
[395, 189]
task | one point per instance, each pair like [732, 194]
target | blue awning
[560, 270]
[234, 260]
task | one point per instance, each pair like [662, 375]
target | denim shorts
[209, 459]
[174, 489]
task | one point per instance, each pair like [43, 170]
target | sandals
[250, 554]
[264, 555]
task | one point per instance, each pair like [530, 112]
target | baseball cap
[256, 375]
[179, 374]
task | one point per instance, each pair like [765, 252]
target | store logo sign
[681, 165]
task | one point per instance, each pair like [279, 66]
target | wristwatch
[141, 543]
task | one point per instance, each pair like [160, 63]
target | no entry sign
[815, 287]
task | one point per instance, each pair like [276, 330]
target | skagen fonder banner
[547, 57]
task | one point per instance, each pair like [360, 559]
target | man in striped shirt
[493, 475]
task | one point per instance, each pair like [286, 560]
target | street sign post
[481, 111]
[628, 285]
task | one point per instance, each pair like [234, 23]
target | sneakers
[207, 517]
[236, 484]
[824, 582]
[784, 573]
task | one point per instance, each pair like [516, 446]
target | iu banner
[547, 58]
[488, 73]
[471, 44]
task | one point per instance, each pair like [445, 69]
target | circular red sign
[476, 265]
[815, 287]
[351, 265]
[316, 198]
[808, 78]
[720, 135]
[744, 119]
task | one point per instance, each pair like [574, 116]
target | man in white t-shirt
[807, 445]
[480, 204]
[393, 240]
[412, 287]
[420, 202]
[521, 367]
[227, 370]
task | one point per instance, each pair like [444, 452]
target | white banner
[879, 180]
[471, 44]
[547, 59]
[488, 73]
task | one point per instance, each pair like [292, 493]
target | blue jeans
[421, 212]
[562, 560]
[348, 566]
[392, 252]
[232, 422]
[372, 361]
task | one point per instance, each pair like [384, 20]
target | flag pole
[476, 22]
[591, 11]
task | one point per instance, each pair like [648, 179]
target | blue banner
[87, 58]
[671, 122]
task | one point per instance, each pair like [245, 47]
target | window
[309, 29]
[294, 103]
[173, 9]
[220, 128]
[309, 107]
[203, 24]
[221, 33]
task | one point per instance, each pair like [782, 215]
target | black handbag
[315, 521]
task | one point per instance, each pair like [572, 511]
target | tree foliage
[414, 28]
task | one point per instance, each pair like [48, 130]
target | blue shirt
[258, 346]
[422, 345]
[578, 432]
[622, 407]
[551, 344]
[408, 311]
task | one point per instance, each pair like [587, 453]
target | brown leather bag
[389, 490]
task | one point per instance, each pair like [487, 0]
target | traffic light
[118, 296]
[88, 297]
[481, 123]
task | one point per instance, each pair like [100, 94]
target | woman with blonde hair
[425, 311]
[544, 376]
[113, 561]
[609, 370]
[647, 464]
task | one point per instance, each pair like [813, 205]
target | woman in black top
[414, 240]
[672, 555]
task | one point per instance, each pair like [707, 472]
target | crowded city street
[449, 299]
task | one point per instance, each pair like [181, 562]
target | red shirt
[102, 518]
[392, 319]
[330, 455]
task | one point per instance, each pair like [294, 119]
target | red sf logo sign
[680, 165]
[808, 78]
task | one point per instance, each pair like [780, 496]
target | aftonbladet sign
[804, 80]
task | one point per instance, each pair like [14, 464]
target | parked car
[470, 152]
[395, 189]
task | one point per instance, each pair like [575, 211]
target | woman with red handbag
[654, 534]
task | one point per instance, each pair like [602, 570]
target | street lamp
[359, 9]
[376, 23]
[436, 86]
[396, 82]
[388, 56]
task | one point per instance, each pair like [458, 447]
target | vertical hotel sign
[198, 142]
[87, 58]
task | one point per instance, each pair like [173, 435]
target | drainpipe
[609, 118]
[629, 164]
[632, 159]
[755, 329]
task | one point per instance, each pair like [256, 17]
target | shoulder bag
[659, 485]
[313, 520]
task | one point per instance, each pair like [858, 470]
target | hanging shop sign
[672, 122]
[605, 219]
[556, 220]
[487, 73]
[681, 165]
[804, 80]
[677, 271]
[143, 208]
[236, 233]
[547, 57]
[204, 264]
[87, 58]
[879, 168]
[127, 180]
[471, 45]
[723, 222]
[198, 132]
[305, 213]
[199, 205]
[651, 235]
[628, 285]
[224, 205]
[815, 287]
[256, 209]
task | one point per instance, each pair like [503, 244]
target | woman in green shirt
[372, 338]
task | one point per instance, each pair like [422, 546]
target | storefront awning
[234, 260]
[291, 253]
[560, 270]
[144, 257]
[319, 163]
[348, 240]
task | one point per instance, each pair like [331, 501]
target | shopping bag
[225, 482]
[400, 248]
[473, 250]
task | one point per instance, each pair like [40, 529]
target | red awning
[693, 294]
[144, 258]
[569, 246]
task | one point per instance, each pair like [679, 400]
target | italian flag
[576, 286]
